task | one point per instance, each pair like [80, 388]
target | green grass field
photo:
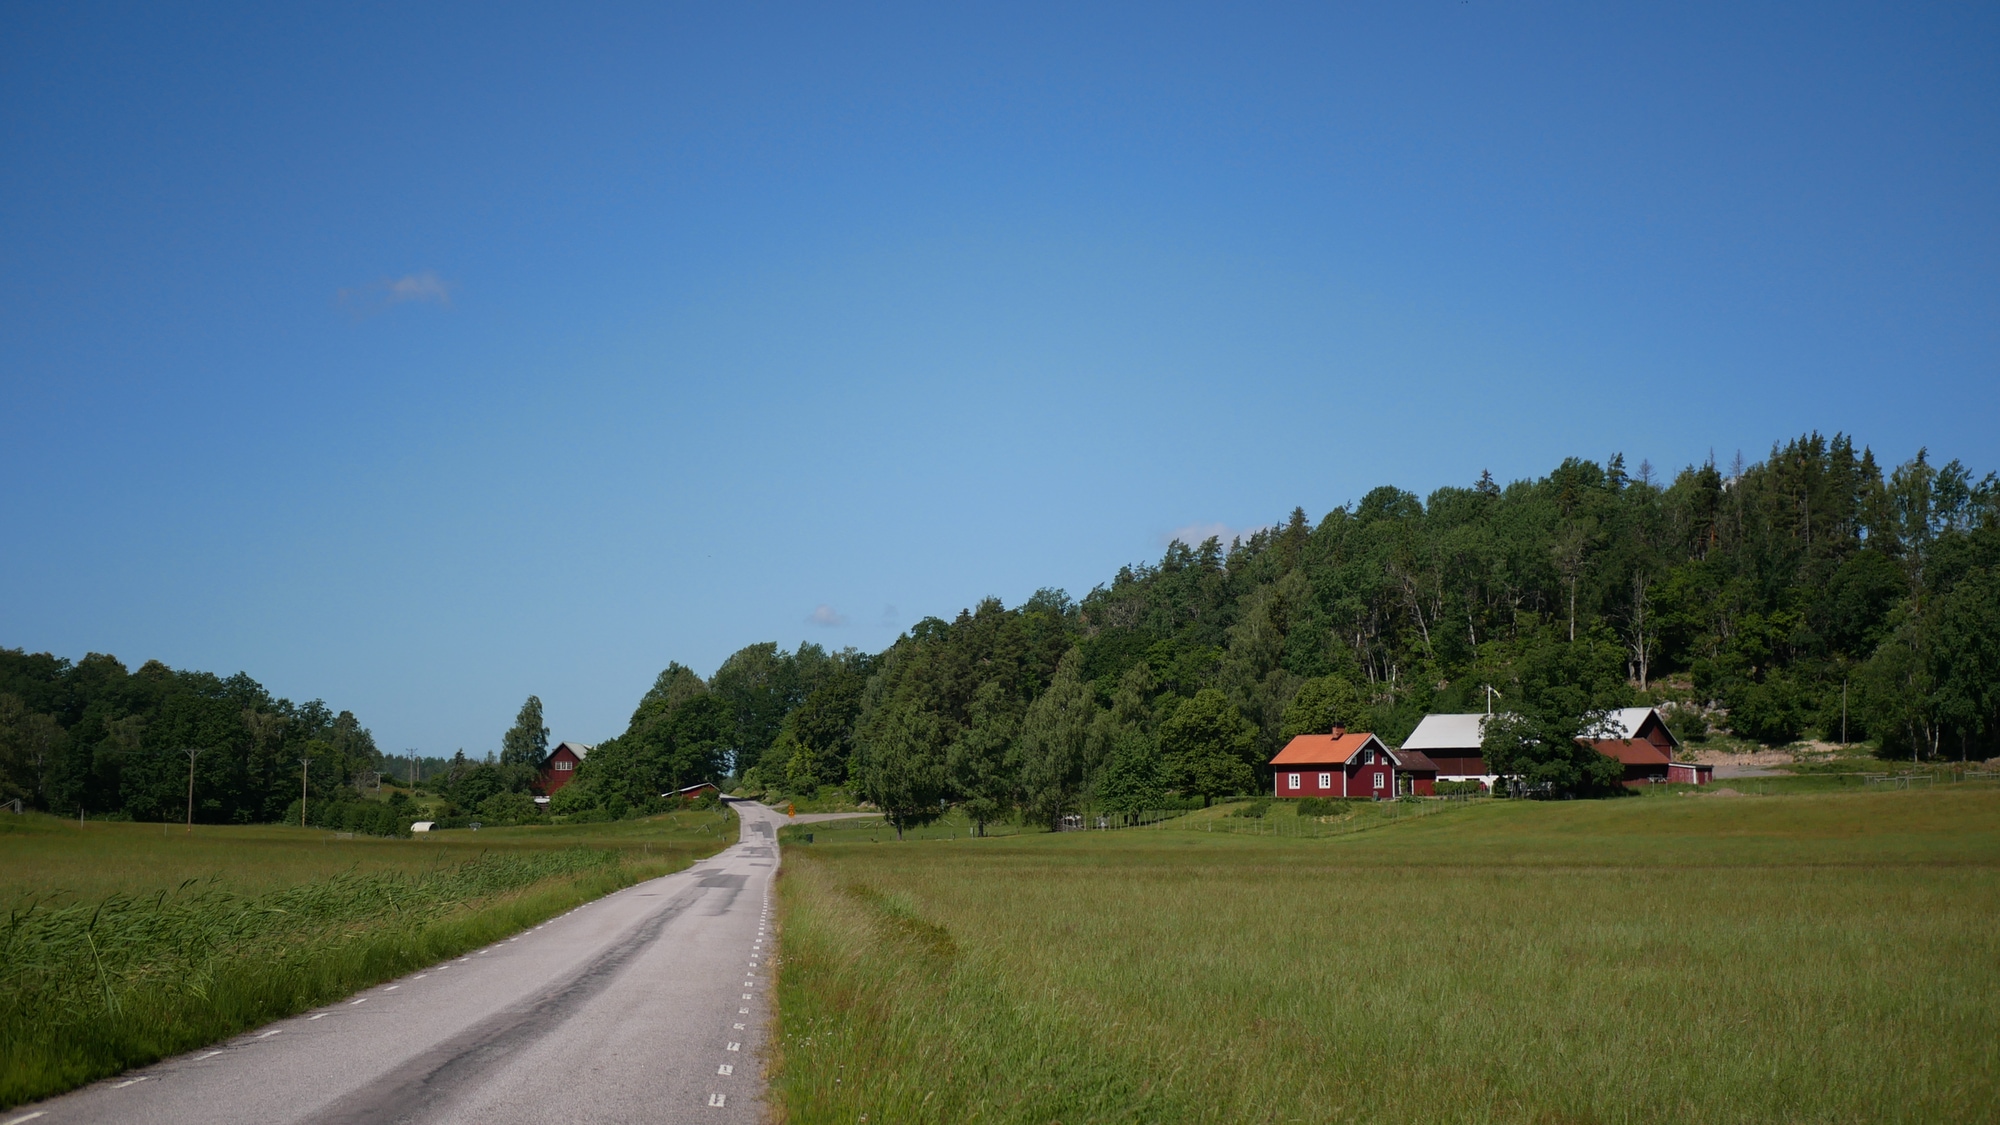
[1812, 958]
[123, 943]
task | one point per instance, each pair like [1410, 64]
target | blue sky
[422, 358]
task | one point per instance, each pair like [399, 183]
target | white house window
[1326, 781]
[563, 765]
[1293, 780]
[1378, 781]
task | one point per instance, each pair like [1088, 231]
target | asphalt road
[648, 1005]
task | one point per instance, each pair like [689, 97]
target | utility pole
[305, 767]
[1843, 712]
[411, 753]
[192, 754]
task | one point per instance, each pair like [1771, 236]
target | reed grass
[1823, 958]
[261, 927]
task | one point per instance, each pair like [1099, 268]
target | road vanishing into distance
[648, 1005]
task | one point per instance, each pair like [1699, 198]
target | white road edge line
[40, 1112]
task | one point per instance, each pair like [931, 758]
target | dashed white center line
[209, 1055]
[713, 1100]
[725, 1070]
[743, 1011]
[316, 1016]
[746, 996]
[273, 1031]
[735, 1047]
[128, 1082]
[420, 976]
[392, 988]
[737, 1026]
[363, 1000]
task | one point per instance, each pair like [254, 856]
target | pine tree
[528, 742]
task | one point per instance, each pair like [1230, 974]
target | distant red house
[1642, 743]
[1350, 765]
[560, 766]
[698, 789]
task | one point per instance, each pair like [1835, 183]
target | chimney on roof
[1340, 730]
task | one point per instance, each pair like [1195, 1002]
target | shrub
[1254, 810]
[507, 807]
[1459, 788]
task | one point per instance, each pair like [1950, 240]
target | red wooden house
[560, 766]
[1349, 765]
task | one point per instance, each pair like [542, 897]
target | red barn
[1641, 742]
[560, 766]
[1349, 765]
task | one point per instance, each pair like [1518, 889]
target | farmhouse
[1349, 765]
[698, 789]
[560, 766]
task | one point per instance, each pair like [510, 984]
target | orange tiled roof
[1323, 749]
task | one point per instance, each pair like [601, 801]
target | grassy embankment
[125, 943]
[1802, 958]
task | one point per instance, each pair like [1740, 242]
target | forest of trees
[91, 737]
[1811, 595]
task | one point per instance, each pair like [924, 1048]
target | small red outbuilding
[1349, 765]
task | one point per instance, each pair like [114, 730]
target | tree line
[92, 737]
[1811, 594]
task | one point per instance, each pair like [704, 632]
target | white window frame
[1378, 780]
[1326, 781]
[1294, 782]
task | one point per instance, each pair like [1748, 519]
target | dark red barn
[1641, 742]
[560, 766]
[1349, 765]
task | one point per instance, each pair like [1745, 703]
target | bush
[502, 808]
[1254, 810]
[1459, 788]
[370, 818]
[1324, 806]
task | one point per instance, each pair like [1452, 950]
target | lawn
[1795, 958]
[123, 943]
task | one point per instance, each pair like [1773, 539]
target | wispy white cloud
[1193, 534]
[379, 296]
[826, 617]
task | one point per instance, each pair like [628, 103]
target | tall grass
[1784, 959]
[89, 987]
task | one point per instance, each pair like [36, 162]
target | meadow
[124, 943]
[1825, 957]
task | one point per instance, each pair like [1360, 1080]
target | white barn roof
[1446, 732]
[577, 748]
[1626, 721]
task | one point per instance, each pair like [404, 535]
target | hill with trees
[1810, 594]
